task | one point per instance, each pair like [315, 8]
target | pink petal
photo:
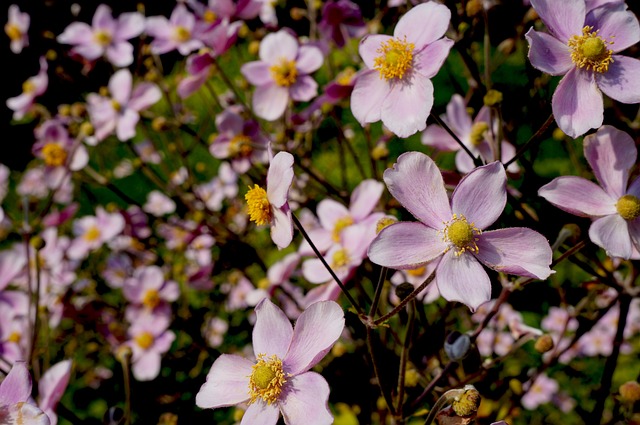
[306, 400]
[53, 384]
[120, 86]
[147, 367]
[16, 386]
[314, 271]
[458, 117]
[621, 81]
[548, 54]
[282, 226]
[76, 33]
[406, 245]
[89, 51]
[429, 61]
[364, 198]
[563, 18]
[126, 126]
[129, 25]
[368, 49]
[309, 59]
[616, 24]
[462, 278]
[278, 46]
[416, 182]
[270, 101]
[611, 153]
[578, 196]
[634, 189]
[438, 138]
[102, 18]
[367, 97]
[24, 413]
[315, 332]
[120, 54]
[518, 251]
[481, 195]
[279, 178]
[227, 382]
[577, 103]
[304, 89]
[144, 95]
[407, 106]
[272, 332]
[261, 413]
[423, 24]
[611, 232]
[257, 72]
[634, 232]
[329, 212]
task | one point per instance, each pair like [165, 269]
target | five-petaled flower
[279, 379]
[452, 232]
[614, 206]
[396, 88]
[583, 46]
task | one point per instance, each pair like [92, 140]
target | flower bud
[473, 7]
[404, 290]
[457, 345]
[630, 392]
[37, 242]
[492, 98]
[544, 343]
[467, 404]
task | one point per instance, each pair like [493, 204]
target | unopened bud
[124, 353]
[544, 343]
[254, 47]
[492, 98]
[467, 404]
[404, 290]
[37, 242]
[473, 7]
[297, 13]
[384, 222]
[159, 124]
[630, 392]
[86, 128]
[457, 345]
[380, 151]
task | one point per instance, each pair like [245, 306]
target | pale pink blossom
[17, 29]
[33, 87]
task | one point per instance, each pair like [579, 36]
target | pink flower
[34, 86]
[120, 112]
[541, 391]
[396, 88]
[17, 28]
[583, 47]
[614, 205]
[149, 339]
[51, 387]
[270, 206]
[93, 231]
[279, 380]
[149, 289]
[452, 231]
[177, 32]
[159, 204]
[105, 37]
[282, 74]
[16, 404]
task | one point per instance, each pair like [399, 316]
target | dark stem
[404, 357]
[376, 296]
[477, 161]
[533, 139]
[405, 301]
[387, 397]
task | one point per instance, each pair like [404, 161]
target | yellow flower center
[628, 207]
[240, 145]
[116, 105]
[103, 38]
[416, 272]
[14, 337]
[345, 77]
[284, 73]
[144, 340]
[259, 208]
[209, 16]
[395, 60]
[182, 34]
[590, 51]
[341, 223]
[478, 131]
[13, 31]
[151, 298]
[28, 86]
[340, 258]
[461, 234]
[54, 155]
[92, 234]
[267, 379]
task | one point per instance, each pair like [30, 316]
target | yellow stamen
[416, 272]
[144, 340]
[284, 73]
[341, 223]
[478, 131]
[395, 60]
[54, 155]
[345, 77]
[182, 34]
[209, 16]
[259, 208]
[240, 145]
[14, 337]
[267, 379]
[92, 234]
[461, 234]
[102, 37]
[340, 259]
[12, 31]
[590, 51]
[28, 86]
[116, 105]
[151, 298]
[628, 207]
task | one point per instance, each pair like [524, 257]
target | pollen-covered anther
[284, 73]
[103, 38]
[151, 299]
[266, 379]
[478, 131]
[182, 34]
[395, 60]
[54, 155]
[590, 51]
[240, 145]
[628, 207]
[461, 234]
[258, 206]
[340, 258]
[341, 223]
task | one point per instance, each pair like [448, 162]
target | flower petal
[304, 89]
[16, 386]
[438, 138]
[563, 18]
[282, 226]
[578, 196]
[548, 54]
[416, 182]
[53, 383]
[272, 332]
[270, 101]
[306, 400]
[621, 81]
[368, 48]
[406, 245]
[577, 103]
[617, 24]
[329, 212]
[634, 232]
[256, 73]
[227, 382]
[481, 195]
[518, 251]
[407, 106]
[611, 232]
[309, 59]
[458, 117]
[462, 278]
[611, 154]
[261, 413]
[429, 61]
[423, 24]
[279, 178]
[316, 330]
[364, 198]
[277, 46]
[367, 97]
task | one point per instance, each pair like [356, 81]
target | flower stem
[387, 397]
[404, 357]
[376, 296]
[404, 302]
[533, 139]
[442, 401]
[477, 161]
